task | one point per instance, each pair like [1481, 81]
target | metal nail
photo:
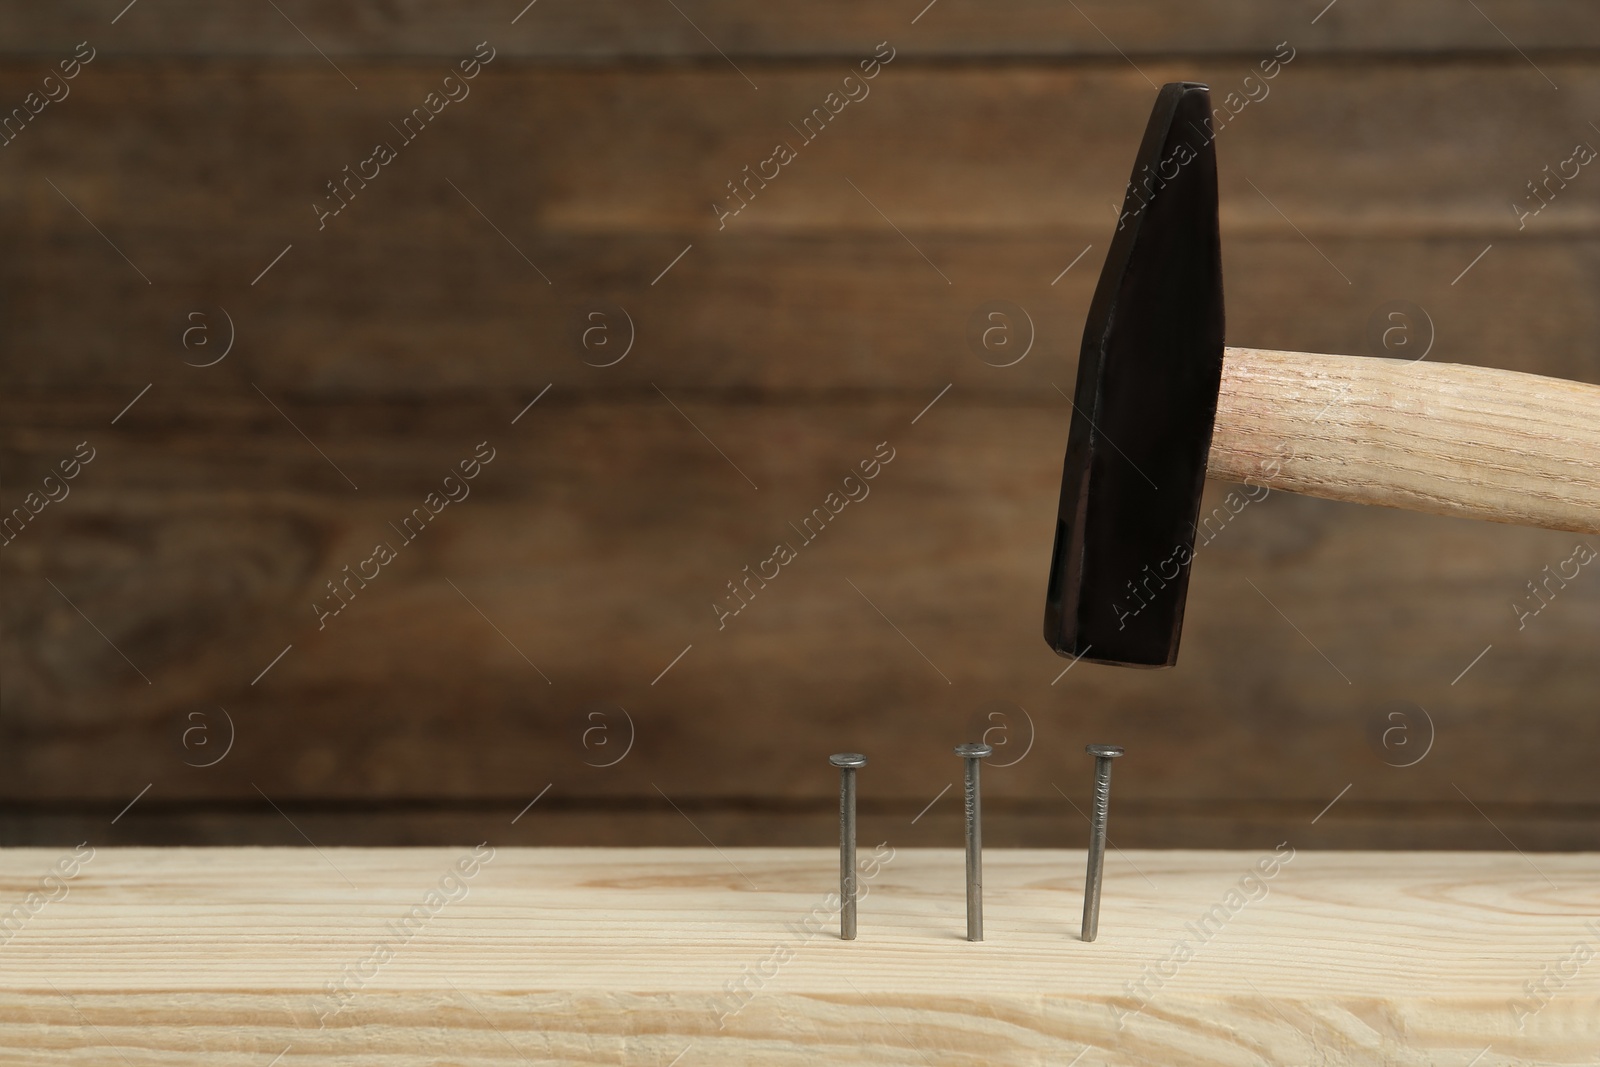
[847, 762]
[972, 754]
[1103, 755]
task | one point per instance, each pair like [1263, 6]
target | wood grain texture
[770, 317]
[632, 956]
[1441, 438]
[1029, 149]
[410, 291]
[1368, 817]
[412, 694]
[623, 29]
[804, 332]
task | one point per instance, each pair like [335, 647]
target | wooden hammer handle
[1436, 437]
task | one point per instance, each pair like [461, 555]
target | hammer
[1160, 403]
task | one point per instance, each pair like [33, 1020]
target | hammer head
[1148, 377]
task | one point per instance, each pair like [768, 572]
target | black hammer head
[1148, 376]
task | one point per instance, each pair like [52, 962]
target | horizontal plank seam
[772, 62]
[1211, 808]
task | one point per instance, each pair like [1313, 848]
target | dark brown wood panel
[142, 617]
[229, 160]
[829, 28]
[411, 289]
[650, 820]
[767, 315]
[592, 549]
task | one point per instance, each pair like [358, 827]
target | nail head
[975, 750]
[848, 759]
[1103, 751]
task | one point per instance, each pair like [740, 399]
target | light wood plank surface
[590, 956]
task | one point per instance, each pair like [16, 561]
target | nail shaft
[1103, 755]
[973, 755]
[847, 762]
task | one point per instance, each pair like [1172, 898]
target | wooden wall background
[190, 550]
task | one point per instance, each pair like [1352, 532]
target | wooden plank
[825, 29]
[1027, 150]
[765, 315]
[760, 316]
[818, 292]
[1363, 818]
[501, 955]
[615, 523]
[602, 535]
[755, 315]
[768, 315]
